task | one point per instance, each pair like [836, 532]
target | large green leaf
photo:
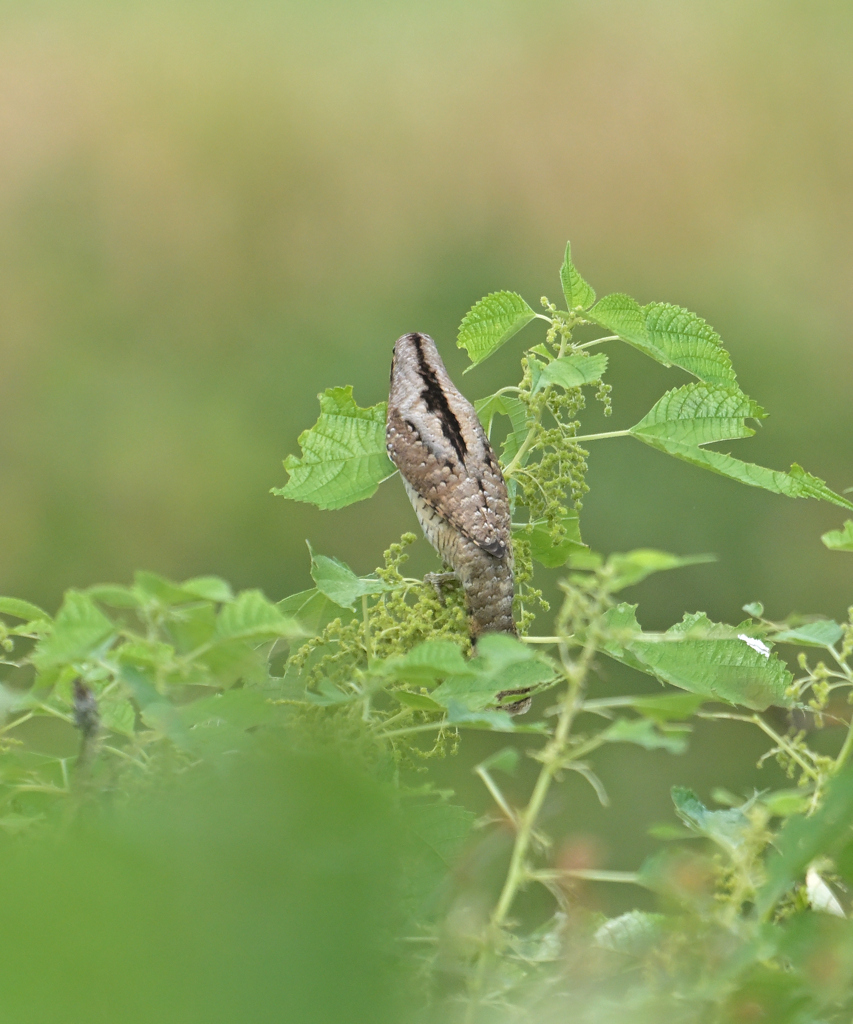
[840, 540]
[669, 334]
[344, 458]
[340, 584]
[697, 414]
[578, 293]
[700, 656]
[492, 321]
[572, 371]
[79, 629]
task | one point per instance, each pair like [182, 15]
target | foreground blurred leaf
[344, 458]
[80, 627]
[22, 609]
[669, 334]
[253, 617]
[840, 540]
[644, 732]
[726, 828]
[491, 322]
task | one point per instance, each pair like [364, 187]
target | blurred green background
[210, 212]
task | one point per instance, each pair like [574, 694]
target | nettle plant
[160, 676]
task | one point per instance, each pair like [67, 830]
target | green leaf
[502, 663]
[512, 407]
[669, 707]
[755, 609]
[428, 662]
[491, 322]
[253, 617]
[572, 371]
[418, 701]
[823, 633]
[542, 547]
[344, 458]
[578, 293]
[22, 609]
[340, 584]
[840, 540]
[118, 716]
[702, 657]
[801, 839]
[505, 760]
[209, 588]
[697, 414]
[632, 934]
[669, 334]
[796, 483]
[80, 628]
[648, 734]
[726, 828]
[312, 610]
[114, 596]
[630, 568]
[488, 720]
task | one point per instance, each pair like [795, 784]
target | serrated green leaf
[340, 584]
[572, 371]
[840, 540]
[79, 629]
[669, 334]
[502, 663]
[118, 716]
[644, 732]
[697, 414]
[429, 661]
[755, 609]
[491, 322]
[512, 407]
[577, 292]
[22, 609]
[700, 656]
[823, 633]
[625, 570]
[344, 458]
[251, 616]
[796, 483]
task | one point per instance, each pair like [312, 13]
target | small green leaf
[418, 701]
[491, 322]
[697, 414]
[840, 540]
[572, 371]
[22, 609]
[488, 720]
[114, 596]
[80, 628]
[209, 588]
[505, 760]
[634, 566]
[823, 633]
[632, 934]
[512, 407]
[312, 610]
[252, 617]
[726, 828]
[648, 734]
[118, 716]
[340, 584]
[577, 292]
[344, 458]
[755, 609]
[429, 661]
[542, 547]
[669, 707]
[669, 334]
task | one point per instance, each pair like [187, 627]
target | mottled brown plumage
[453, 480]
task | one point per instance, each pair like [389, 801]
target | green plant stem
[601, 437]
[598, 341]
[553, 758]
[522, 451]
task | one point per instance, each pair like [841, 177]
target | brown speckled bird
[453, 480]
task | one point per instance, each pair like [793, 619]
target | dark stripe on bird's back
[436, 401]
